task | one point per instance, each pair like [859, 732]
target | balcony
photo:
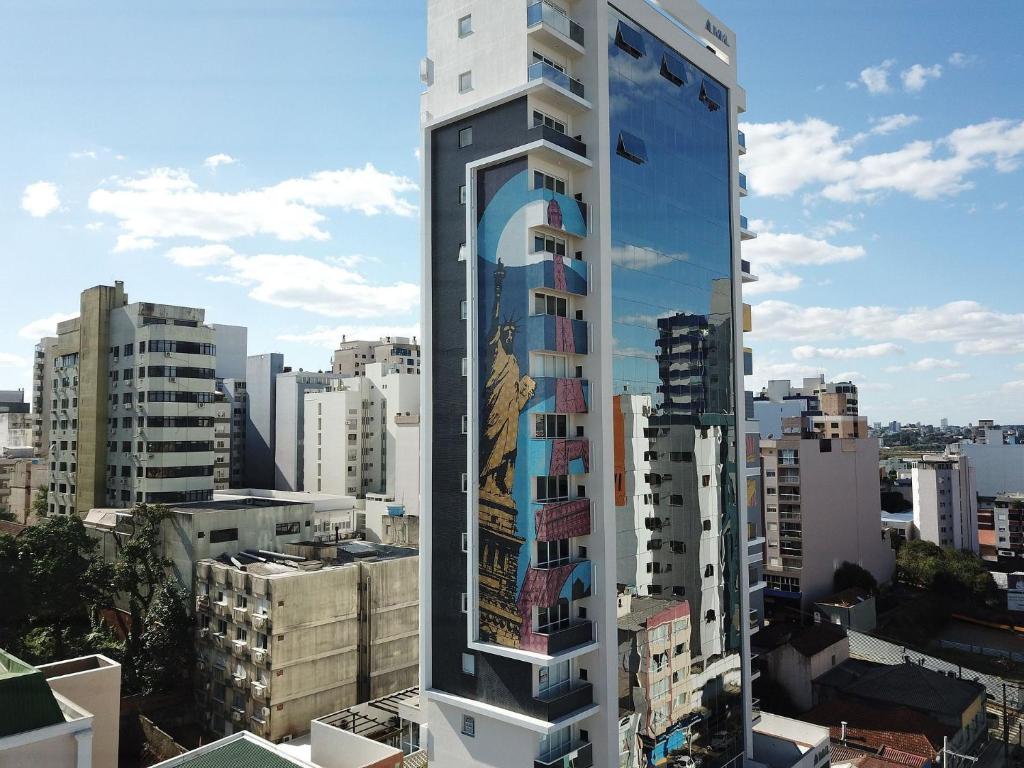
[563, 519]
[747, 275]
[745, 232]
[567, 395]
[575, 633]
[561, 89]
[580, 754]
[559, 273]
[568, 698]
[557, 334]
[559, 139]
[260, 655]
[240, 648]
[790, 498]
[260, 621]
[743, 184]
[238, 614]
[259, 690]
[202, 602]
[741, 142]
[549, 25]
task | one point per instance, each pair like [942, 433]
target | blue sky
[257, 159]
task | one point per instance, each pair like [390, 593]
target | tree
[41, 502]
[167, 640]
[137, 574]
[948, 571]
[852, 575]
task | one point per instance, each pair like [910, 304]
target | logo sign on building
[1015, 592]
[719, 34]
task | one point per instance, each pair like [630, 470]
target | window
[463, 309]
[553, 679]
[711, 95]
[632, 148]
[552, 553]
[544, 304]
[549, 366]
[284, 529]
[672, 69]
[465, 483]
[465, 365]
[542, 180]
[465, 82]
[465, 137]
[468, 725]
[547, 244]
[539, 118]
[547, 425]
[466, 26]
[462, 201]
[629, 40]
[223, 534]
[553, 618]
[541, 59]
[469, 663]
[552, 487]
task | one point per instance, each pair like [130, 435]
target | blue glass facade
[677, 527]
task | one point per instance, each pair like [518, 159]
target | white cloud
[85, 154]
[7, 360]
[991, 346]
[44, 326]
[849, 376]
[954, 377]
[925, 364]
[765, 372]
[788, 157]
[892, 123]
[956, 321]
[847, 353]
[328, 287]
[166, 203]
[785, 250]
[40, 199]
[772, 282]
[215, 161]
[961, 60]
[915, 78]
[876, 79]
[329, 337]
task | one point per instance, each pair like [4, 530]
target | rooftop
[873, 727]
[642, 609]
[807, 641]
[904, 685]
[240, 750]
[26, 701]
[847, 598]
[223, 505]
[376, 719]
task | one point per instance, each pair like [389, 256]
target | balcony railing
[554, 18]
[576, 633]
[563, 140]
[541, 70]
[741, 139]
[579, 754]
[570, 698]
[743, 182]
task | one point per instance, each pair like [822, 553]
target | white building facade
[946, 501]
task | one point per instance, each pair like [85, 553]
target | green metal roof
[26, 701]
[241, 753]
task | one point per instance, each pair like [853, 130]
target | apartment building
[60, 715]
[21, 479]
[283, 639]
[362, 437]
[821, 509]
[1008, 521]
[131, 389]
[946, 501]
[261, 417]
[42, 384]
[233, 394]
[394, 352]
[584, 406]
[290, 390]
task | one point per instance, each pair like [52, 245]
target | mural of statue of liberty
[506, 393]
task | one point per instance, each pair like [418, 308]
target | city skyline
[874, 174]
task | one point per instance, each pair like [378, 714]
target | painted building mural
[513, 259]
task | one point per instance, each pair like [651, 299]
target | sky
[258, 158]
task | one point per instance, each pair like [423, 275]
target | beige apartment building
[352, 357]
[283, 639]
[60, 715]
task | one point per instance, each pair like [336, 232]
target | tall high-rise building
[261, 417]
[583, 413]
[42, 386]
[946, 501]
[290, 424]
[130, 404]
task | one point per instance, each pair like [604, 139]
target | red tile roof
[898, 734]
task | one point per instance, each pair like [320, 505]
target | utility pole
[947, 752]
[1006, 730]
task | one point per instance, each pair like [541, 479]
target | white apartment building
[946, 501]
[290, 388]
[398, 352]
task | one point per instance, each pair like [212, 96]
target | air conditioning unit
[171, 379]
[167, 354]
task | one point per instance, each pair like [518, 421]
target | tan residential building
[20, 481]
[283, 639]
[352, 357]
[61, 715]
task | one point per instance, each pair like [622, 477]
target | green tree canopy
[949, 571]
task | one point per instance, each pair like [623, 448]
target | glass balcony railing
[563, 140]
[554, 18]
[741, 139]
[744, 224]
[743, 182]
[745, 266]
[578, 755]
[541, 70]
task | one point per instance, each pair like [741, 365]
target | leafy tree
[852, 575]
[948, 571]
[41, 502]
[167, 640]
[14, 618]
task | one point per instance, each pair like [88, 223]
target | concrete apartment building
[20, 481]
[780, 400]
[130, 403]
[946, 501]
[261, 419]
[821, 509]
[290, 390]
[362, 438]
[42, 384]
[1008, 522]
[283, 639]
[60, 715]
[17, 424]
[393, 352]
[584, 406]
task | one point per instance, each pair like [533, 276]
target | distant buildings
[290, 422]
[393, 352]
[946, 502]
[60, 715]
[261, 373]
[21, 480]
[17, 425]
